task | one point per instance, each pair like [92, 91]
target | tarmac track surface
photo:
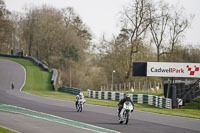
[141, 122]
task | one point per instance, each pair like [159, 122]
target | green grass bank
[4, 130]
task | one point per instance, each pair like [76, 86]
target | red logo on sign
[192, 71]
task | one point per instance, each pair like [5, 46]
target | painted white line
[59, 118]
[24, 78]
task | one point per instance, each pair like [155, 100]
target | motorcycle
[79, 106]
[126, 112]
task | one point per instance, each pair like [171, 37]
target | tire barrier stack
[74, 91]
[40, 64]
[156, 101]
[181, 91]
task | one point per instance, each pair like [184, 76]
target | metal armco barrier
[156, 101]
[69, 90]
[54, 77]
[37, 62]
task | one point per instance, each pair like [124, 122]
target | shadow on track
[108, 123]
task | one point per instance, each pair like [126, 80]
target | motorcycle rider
[12, 85]
[122, 101]
[80, 96]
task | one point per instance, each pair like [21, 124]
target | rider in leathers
[80, 96]
[122, 101]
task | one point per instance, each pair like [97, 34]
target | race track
[141, 122]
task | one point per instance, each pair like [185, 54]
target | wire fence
[143, 86]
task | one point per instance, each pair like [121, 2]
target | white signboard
[170, 69]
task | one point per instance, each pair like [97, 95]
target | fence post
[150, 86]
[116, 87]
[139, 85]
[174, 100]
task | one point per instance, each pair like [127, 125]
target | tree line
[150, 31]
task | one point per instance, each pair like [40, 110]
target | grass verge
[4, 130]
[40, 85]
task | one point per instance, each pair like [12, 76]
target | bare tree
[136, 21]
[159, 19]
[167, 27]
[178, 24]
[73, 20]
[68, 16]
[114, 56]
[6, 27]
[28, 28]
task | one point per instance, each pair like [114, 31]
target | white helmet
[81, 94]
[128, 95]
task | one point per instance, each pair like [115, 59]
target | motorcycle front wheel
[127, 118]
[80, 108]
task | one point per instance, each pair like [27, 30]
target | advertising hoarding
[171, 69]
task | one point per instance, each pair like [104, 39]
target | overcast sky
[101, 15]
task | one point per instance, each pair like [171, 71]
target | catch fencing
[145, 86]
[156, 101]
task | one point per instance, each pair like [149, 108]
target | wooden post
[139, 85]
[150, 86]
